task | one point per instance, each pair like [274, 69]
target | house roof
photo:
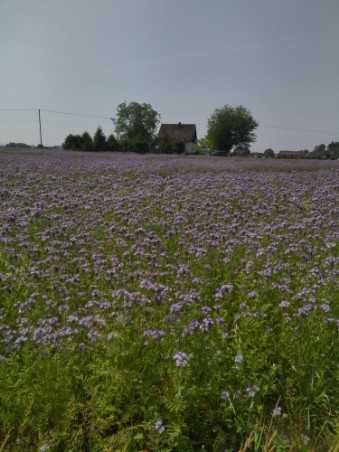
[287, 152]
[178, 133]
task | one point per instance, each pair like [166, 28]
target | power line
[18, 109]
[80, 115]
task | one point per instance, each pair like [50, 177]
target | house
[181, 136]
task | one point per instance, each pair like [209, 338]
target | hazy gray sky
[279, 58]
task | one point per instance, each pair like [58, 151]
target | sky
[278, 58]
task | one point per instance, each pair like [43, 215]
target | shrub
[269, 153]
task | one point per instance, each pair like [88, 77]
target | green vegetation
[231, 126]
[136, 125]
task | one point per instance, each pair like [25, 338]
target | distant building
[292, 154]
[181, 135]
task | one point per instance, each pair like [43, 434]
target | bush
[269, 153]
[168, 147]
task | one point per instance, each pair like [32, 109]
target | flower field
[153, 303]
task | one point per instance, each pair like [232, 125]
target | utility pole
[41, 145]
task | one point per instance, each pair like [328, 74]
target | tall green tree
[99, 140]
[230, 126]
[136, 125]
[86, 142]
[113, 144]
[333, 150]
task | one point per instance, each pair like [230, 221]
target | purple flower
[191, 327]
[206, 323]
[154, 334]
[181, 359]
[224, 290]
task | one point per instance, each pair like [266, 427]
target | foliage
[136, 125]
[230, 126]
[112, 144]
[137, 144]
[333, 150]
[323, 152]
[203, 143]
[99, 141]
[86, 142]
[166, 146]
[269, 153]
[321, 148]
[72, 142]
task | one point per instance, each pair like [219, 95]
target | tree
[319, 152]
[113, 144]
[72, 142]
[86, 142]
[229, 126]
[333, 150]
[269, 153]
[320, 148]
[136, 125]
[99, 140]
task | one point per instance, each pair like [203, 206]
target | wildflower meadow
[165, 303]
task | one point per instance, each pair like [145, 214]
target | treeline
[136, 128]
[230, 131]
[85, 142]
[331, 151]
[320, 152]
